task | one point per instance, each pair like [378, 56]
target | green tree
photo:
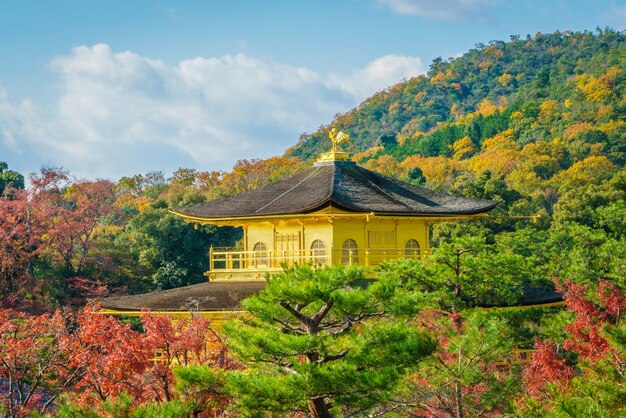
[324, 341]
[171, 252]
[469, 374]
[9, 178]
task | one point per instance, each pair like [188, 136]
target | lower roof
[209, 296]
[226, 296]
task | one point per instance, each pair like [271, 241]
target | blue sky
[115, 88]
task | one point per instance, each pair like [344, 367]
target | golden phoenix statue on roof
[337, 137]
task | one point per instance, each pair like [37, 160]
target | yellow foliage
[505, 79]
[411, 127]
[517, 115]
[385, 164]
[486, 108]
[484, 65]
[554, 149]
[611, 126]
[499, 161]
[107, 231]
[127, 200]
[437, 170]
[596, 149]
[394, 108]
[454, 110]
[598, 89]
[503, 102]
[568, 103]
[360, 156]
[438, 79]
[591, 170]
[500, 141]
[548, 110]
[463, 148]
[531, 176]
[420, 96]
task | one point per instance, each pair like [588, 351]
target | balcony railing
[233, 260]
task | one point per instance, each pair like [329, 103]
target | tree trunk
[318, 408]
[458, 400]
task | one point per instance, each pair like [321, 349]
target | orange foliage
[576, 129]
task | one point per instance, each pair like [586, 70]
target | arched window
[318, 252]
[260, 255]
[349, 253]
[412, 249]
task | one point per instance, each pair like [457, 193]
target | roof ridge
[288, 191]
[332, 184]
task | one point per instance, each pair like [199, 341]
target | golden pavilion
[335, 212]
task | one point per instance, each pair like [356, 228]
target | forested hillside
[538, 123]
[478, 94]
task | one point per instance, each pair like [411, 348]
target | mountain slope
[429, 113]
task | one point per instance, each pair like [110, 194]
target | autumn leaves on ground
[538, 123]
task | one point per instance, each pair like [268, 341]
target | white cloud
[439, 9]
[119, 113]
[379, 74]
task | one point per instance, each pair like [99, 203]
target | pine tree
[324, 341]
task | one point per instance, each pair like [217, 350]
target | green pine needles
[324, 341]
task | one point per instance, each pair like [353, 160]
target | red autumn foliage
[93, 358]
[547, 366]
[108, 354]
[54, 221]
[72, 214]
[20, 235]
[179, 343]
[32, 369]
[586, 337]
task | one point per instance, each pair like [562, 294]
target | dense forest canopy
[538, 122]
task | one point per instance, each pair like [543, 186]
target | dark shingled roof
[226, 296]
[344, 185]
[209, 296]
[539, 296]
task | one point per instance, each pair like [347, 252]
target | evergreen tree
[324, 341]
